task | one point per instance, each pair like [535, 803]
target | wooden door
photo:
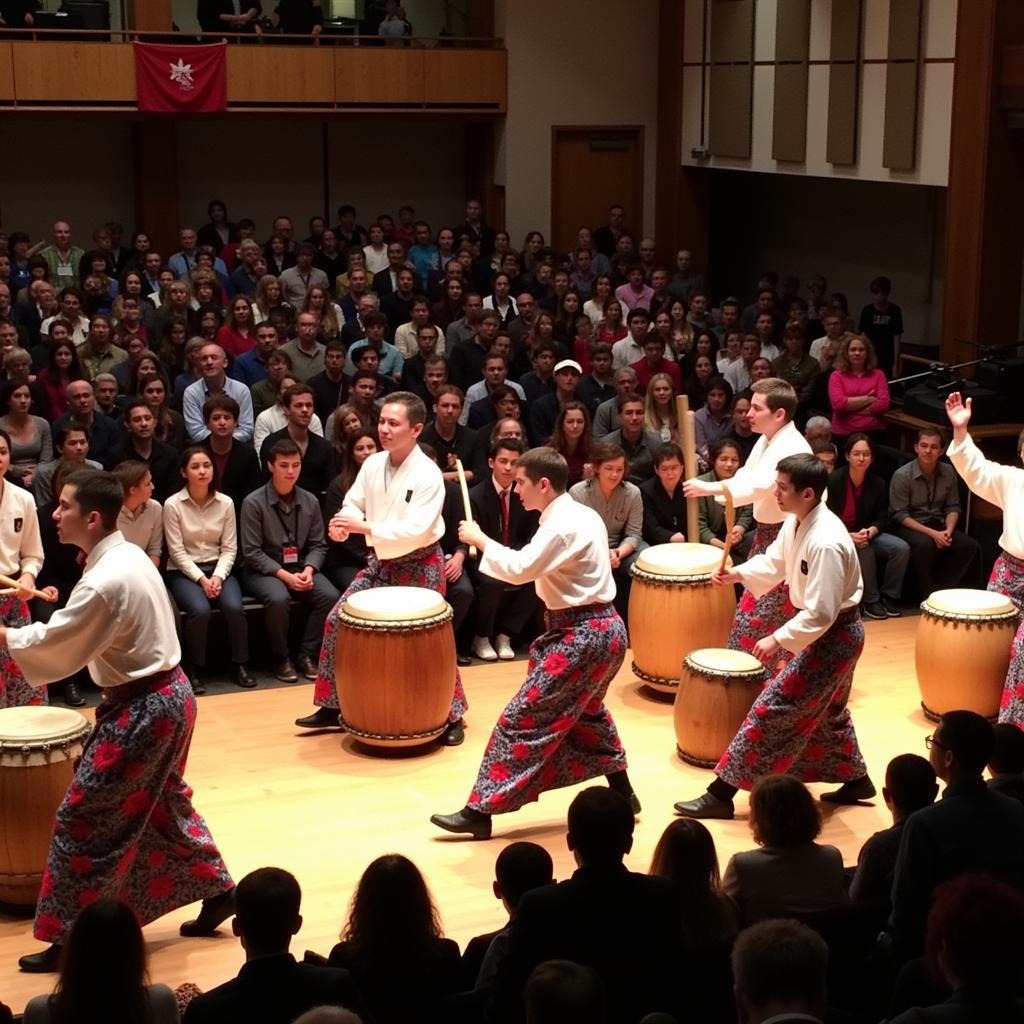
[593, 168]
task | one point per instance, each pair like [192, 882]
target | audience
[1006, 765]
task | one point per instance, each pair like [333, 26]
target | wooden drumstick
[464, 487]
[688, 442]
[6, 581]
[730, 522]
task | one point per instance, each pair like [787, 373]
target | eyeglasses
[931, 741]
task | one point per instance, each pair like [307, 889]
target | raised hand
[958, 411]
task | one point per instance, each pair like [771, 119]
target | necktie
[504, 517]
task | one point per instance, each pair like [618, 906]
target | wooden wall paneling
[461, 77]
[844, 83]
[904, 30]
[844, 41]
[669, 137]
[792, 49]
[732, 31]
[387, 75]
[731, 78]
[155, 169]
[902, 86]
[281, 74]
[6, 72]
[61, 71]
[151, 15]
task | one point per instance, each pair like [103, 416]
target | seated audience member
[662, 496]
[628, 342]
[740, 374]
[62, 367]
[539, 380]
[102, 431]
[104, 387]
[297, 402]
[780, 970]
[573, 439]
[790, 874]
[501, 611]
[818, 428]
[973, 923]
[1006, 765]
[795, 366]
[909, 785]
[519, 868]
[236, 467]
[686, 855]
[390, 361]
[71, 443]
[725, 457]
[103, 973]
[141, 518]
[368, 361]
[458, 585]
[507, 426]
[97, 354]
[466, 357]
[272, 986]
[275, 419]
[713, 420]
[345, 558]
[924, 506]
[449, 438]
[500, 403]
[495, 370]
[264, 394]
[305, 352]
[858, 392]
[365, 395]
[742, 433]
[825, 451]
[859, 498]
[251, 367]
[543, 412]
[598, 384]
[563, 992]
[620, 506]
[283, 547]
[139, 445]
[30, 435]
[638, 443]
[596, 919]
[170, 424]
[392, 944]
[202, 548]
[330, 388]
[970, 829]
[213, 365]
[660, 414]
[654, 362]
[407, 338]
[696, 384]
[416, 368]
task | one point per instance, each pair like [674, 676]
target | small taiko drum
[395, 665]
[674, 608]
[38, 747]
[715, 694]
[962, 652]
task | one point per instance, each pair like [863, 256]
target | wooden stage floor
[313, 805]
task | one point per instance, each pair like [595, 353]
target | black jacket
[663, 516]
[872, 507]
[163, 465]
[242, 473]
[317, 461]
[522, 525]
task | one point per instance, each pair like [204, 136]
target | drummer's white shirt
[118, 621]
[819, 562]
[404, 505]
[1001, 485]
[567, 559]
[754, 481]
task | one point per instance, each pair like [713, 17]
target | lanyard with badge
[290, 551]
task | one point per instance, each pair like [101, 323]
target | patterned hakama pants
[126, 828]
[800, 723]
[1008, 579]
[422, 568]
[15, 691]
[556, 730]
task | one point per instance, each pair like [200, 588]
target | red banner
[181, 79]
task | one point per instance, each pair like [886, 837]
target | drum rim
[754, 672]
[395, 625]
[658, 579]
[45, 744]
[969, 618]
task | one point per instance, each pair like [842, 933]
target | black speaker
[93, 14]
[928, 403]
[1003, 375]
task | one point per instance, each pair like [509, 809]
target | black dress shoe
[243, 679]
[892, 607]
[72, 695]
[197, 684]
[322, 718]
[853, 792]
[46, 962]
[706, 806]
[634, 803]
[214, 913]
[454, 734]
[285, 671]
[306, 666]
[462, 660]
[466, 821]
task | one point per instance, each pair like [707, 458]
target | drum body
[962, 652]
[674, 608]
[38, 747]
[395, 665]
[715, 694]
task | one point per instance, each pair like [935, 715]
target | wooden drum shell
[710, 707]
[395, 680]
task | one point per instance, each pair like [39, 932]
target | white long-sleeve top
[118, 621]
[271, 420]
[567, 559]
[21, 546]
[404, 505]
[819, 562]
[199, 534]
[1001, 485]
[754, 481]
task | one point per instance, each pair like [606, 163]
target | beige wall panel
[693, 24]
[899, 140]
[691, 112]
[765, 20]
[821, 22]
[732, 28]
[789, 120]
[939, 29]
[936, 99]
[872, 104]
[730, 103]
[876, 29]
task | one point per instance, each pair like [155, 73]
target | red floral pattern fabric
[800, 723]
[126, 827]
[1008, 579]
[15, 691]
[556, 730]
[422, 568]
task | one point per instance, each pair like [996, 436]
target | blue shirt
[192, 409]
[391, 360]
[424, 259]
[249, 368]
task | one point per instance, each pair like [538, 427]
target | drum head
[720, 660]
[39, 725]
[969, 603]
[395, 604]
[679, 559]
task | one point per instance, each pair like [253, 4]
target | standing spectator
[475, 230]
[882, 322]
[858, 392]
[686, 279]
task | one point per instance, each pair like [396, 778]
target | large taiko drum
[715, 694]
[38, 747]
[395, 665]
[674, 608]
[962, 652]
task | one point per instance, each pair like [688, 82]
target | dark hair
[506, 444]
[60, 435]
[558, 433]
[564, 992]
[103, 968]
[929, 432]
[295, 390]
[881, 284]
[286, 446]
[783, 812]
[7, 389]
[969, 738]
[223, 402]
[186, 457]
[719, 383]
[1008, 756]
[601, 824]
[856, 439]
[74, 371]
[349, 469]
[130, 473]
[608, 451]
[498, 394]
[780, 962]
[910, 780]
[686, 855]
[540, 463]
[719, 446]
[629, 396]
[521, 867]
[805, 471]
[267, 903]
[638, 313]
[665, 452]
[98, 491]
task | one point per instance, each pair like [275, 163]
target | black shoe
[474, 823]
[454, 734]
[214, 913]
[285, 671]
[706, 806]
[462, 660]
[851, 792]
[875, 610]
[891, 606]
[72, 695]
[307, 666]
[243, 679]
[46, 962]
[634, 803]
[322, 718]
[198, 688]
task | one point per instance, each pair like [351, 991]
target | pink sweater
[843, 386]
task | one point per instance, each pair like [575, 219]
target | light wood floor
[313, 805]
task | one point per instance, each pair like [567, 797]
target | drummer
[1002, 486]
[772, 407]
[396, 502]
[800, 723]
[556, 731]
